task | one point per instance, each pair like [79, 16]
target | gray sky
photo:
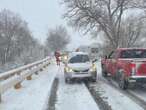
[42, 15]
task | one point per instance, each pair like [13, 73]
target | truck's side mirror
[111, 55]
[105, 57]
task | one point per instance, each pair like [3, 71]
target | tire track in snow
[74, 96]
[103, 105]
[127, 93]
[115, 86]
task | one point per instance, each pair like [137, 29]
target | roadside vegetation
[57, 39]
[120, 23]
[19, 47]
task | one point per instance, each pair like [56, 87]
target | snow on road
[116, 99]
[73, 96]
[33, 95]
[139, 92]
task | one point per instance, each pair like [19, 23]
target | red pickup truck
[126, 65]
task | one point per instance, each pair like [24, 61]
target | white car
[79, 66]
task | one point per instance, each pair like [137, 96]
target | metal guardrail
[16, 76]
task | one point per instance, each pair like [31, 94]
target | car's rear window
[79, 59]
[133, 54]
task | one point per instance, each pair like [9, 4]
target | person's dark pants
[57, 61]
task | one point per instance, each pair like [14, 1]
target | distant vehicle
[64, 56]
[79, 66]
[126, 65]
[92, 50]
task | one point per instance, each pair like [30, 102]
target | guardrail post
[29, 77]
[47, 64]
[21, 74]
[41, 69]
[44, 66]
[18, 86]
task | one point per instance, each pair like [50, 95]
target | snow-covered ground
[77, 97]
[33, 95]
[73, 96]
[139, 92]
[115, 99]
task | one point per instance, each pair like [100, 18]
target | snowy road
[73, 96]
[33, 95]
[76, 96]
[114, 97]
[139, 92]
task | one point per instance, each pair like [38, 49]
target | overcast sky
[42, 15]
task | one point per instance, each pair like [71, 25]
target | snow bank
[33, 95]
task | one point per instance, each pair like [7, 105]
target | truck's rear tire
[93, 79]
[104, 73]
[123, 83]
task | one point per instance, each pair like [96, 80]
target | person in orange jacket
[57, 56]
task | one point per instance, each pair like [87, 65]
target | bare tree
[132, 30]
[10, 24]
[33, 52]
[100, 15]
[16, 40]
[57, 38]
[132, 34]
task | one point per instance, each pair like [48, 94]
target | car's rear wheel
[93, 80]
[94, 77]
[67, 80]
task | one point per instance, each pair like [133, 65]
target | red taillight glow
[132, 65]
[133, 68]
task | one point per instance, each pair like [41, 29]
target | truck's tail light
[133, 65]
[133, 68]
